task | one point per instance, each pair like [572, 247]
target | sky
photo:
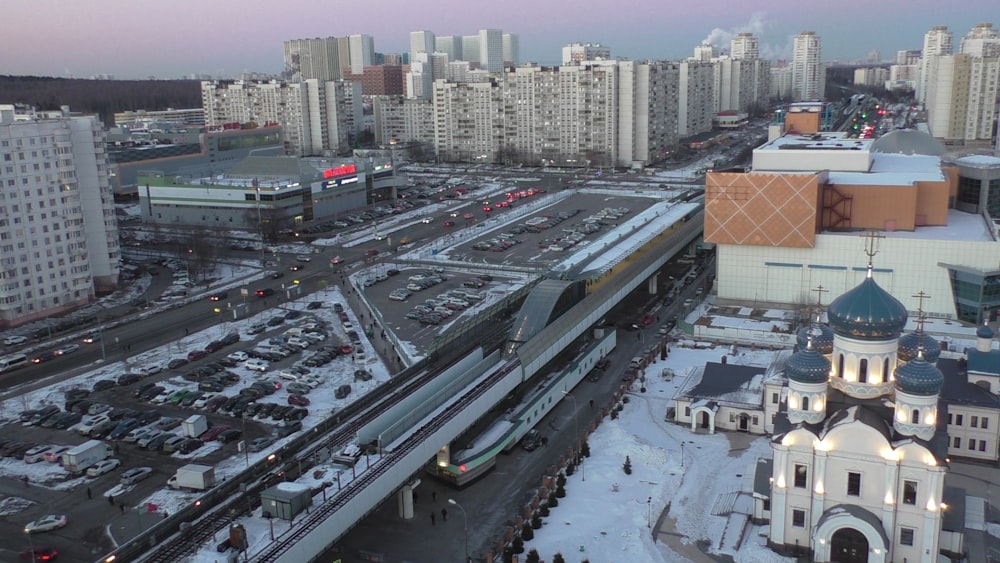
[224, 38]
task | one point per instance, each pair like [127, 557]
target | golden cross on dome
[819, 294]
[871, 246]
[920, 295]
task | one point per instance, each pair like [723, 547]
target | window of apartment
[956, 443]
[801, 476]
[949, 418]
[974, 421]
[906, 536]
[798, 518]
[984, 423]
[972, 444]
[958, 420]
[982, 445]
[853, 484]
[910, 492]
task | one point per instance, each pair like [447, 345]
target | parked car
[134, 475]
[46, 523]
[260, 444]
[298, 400]
[102, 467]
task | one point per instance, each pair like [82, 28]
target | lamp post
[31, 546]
[649, 512]
[465, 520]
[682, 455]
[576, 428]
[246, 450]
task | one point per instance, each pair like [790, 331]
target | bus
[13, 361]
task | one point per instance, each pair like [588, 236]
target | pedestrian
[111, 500]
[591, 403]
[444, 514]
[90, 494]
[432, 518]
[122, 506]
[434, 496]
[166, 514]
[25, 479]
[187, 332]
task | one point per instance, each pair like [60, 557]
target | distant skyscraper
[511, 48]
[937, 41]
[744, 46]
[704, 52]
[576, 52]
[362, 52]
[312, 58]
[450, 44]
[491, 50]
[422, 42]
[808, 72]
[470, 48]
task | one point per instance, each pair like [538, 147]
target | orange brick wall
[761, 209]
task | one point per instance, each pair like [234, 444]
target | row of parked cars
[352, 219]
[436, 309]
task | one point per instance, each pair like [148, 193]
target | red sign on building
[340, 171]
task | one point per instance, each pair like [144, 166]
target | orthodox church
[860, 447]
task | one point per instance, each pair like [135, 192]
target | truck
[193, 477]
[78, 459]
[195, 425]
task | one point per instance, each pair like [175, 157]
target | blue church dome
[984, 331]
[822, 338]
[919, 377]
[909, 345]
[808, 366]
[867, 312]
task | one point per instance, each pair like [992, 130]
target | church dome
[867, 312]
[984, 331]
[919, 377]
[909, 142]
[822, 338]
[808, 366]
[909, 345]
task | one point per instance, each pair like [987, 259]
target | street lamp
[31, 546]
[246, 450]
[682, 455]
[576, 428]
[649, 512]
[465, 519]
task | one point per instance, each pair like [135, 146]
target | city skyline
[226, 38]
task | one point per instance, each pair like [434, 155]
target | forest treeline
[103, 97]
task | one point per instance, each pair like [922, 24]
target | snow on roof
[961, 226]
[889, 169]
[291, 487]
[979, 160]
[818, 141]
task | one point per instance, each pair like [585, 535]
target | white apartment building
[450, 44]
[981, 41]
[419, 80]
[870, 76]
[491, 50]
[317, 117]
[362, 52]
[647, 111]
[704, 52]
[406, 120]
[578, 52]
[962, 99]
[937, 41]
[512, 48]
[781, 82]
[58, 232]
[808, 71]
[695, 97]
[744, 46]
[317, 58]
[467, 125]
[141, 119]
[739, 84]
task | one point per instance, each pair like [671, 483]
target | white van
[13, 361]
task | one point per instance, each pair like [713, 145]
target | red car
[213, 433]
[40, 553]
[449, 223]
[298, 400]
[196, 355]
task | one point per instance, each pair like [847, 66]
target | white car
[67, 349]
[17, 339]
[238, 356]
[256, 364]
[90, 423]
[36, 454]
[139, 433]
[102, 467]
[303, 258]
[147, 370]
[163, 396]
[425, 220]
[289, 374]
[46, 524]
[134, 475]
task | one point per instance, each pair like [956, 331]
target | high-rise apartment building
[808, 72]
[962, 100]
[577, 52]
[422, 42]
[58, 232]
[781, 81]
[512, 48]
[744, 46]
[704, 52]
[696, 93]
[362, 52]
[491, 50]
[937, 41]
[981, 41]
[647, 111]
[317, 58]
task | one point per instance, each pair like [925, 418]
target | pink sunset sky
[170, 39]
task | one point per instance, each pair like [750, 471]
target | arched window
[863, 371]
[840, 366]
[805, 403]
[885, 370]
[915, 417]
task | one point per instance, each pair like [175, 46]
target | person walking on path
[111, 500]
[90, 494]
[434, 496]
[122, 506]
[432, 518]
[444, 514]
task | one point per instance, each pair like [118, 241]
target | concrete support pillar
[652, 283]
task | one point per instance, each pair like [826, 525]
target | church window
[801, 474]
[799, 518]
[974, 422]
[863, 371]
[805, 403]
[774, 398]
[840, 366]
[906, 536]
[756, 421]
[687, 411]
[885, 370]
[910, 492]
[915, 418]
[854, 484]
